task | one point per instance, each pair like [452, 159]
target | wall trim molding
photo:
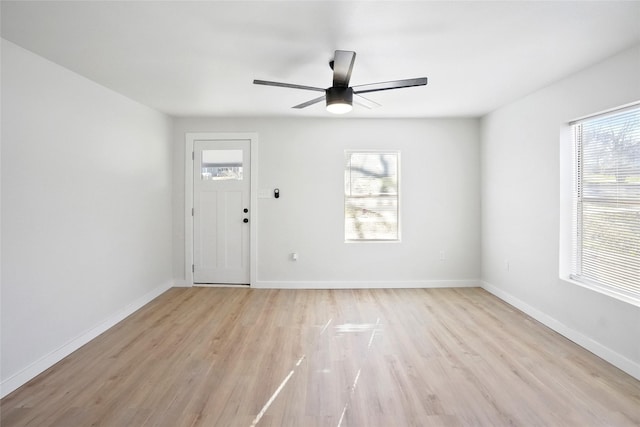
[34, 369]
[629, 366]
[182, 284]
[366, 284]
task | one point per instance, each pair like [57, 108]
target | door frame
[190, 138]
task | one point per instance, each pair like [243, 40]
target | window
[606, 233]
[371, 196]
[221, 165]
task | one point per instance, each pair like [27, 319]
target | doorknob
[245, 220]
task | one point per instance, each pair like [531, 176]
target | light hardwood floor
[304, 358]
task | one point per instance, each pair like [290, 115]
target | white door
[221, 195]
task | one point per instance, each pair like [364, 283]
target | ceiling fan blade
[313, 101]
[396, 84]
[365, 102]
[289, 85]
[342, 66]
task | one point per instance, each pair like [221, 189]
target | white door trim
[190, 138]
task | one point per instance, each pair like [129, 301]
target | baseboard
[630, 367]
[412, 284]
[44, 363]
[182, 284]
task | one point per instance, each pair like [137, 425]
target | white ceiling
[199, 58]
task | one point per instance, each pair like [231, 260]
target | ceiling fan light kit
[339, 97]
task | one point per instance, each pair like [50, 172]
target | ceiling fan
[340, 96]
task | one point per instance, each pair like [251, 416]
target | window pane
[611, 156]
[371, 218]
[221, 165]
[372, 174]
[611, 243]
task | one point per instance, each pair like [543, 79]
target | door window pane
[221, 165]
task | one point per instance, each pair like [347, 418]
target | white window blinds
[607, 202]
[371, 196]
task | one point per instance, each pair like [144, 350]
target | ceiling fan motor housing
[339, 95]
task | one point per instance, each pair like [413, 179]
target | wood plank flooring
[304, 358]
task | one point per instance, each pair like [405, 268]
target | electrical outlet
[294, 256]
[507, 265]
[442, 255]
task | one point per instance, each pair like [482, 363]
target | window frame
[394, 152]
[575, 246]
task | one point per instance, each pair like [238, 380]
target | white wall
[86, 210]
[304, 158]
[521, 213]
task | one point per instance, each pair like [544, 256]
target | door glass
[221, 165]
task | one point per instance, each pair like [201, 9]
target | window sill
[629, 299]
